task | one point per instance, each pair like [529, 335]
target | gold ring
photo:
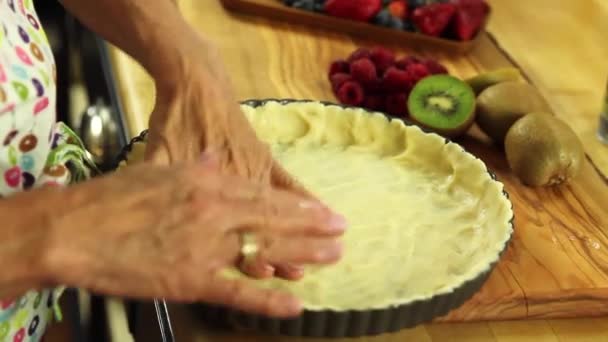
[249, 247]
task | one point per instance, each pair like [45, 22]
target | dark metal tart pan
[337, 324]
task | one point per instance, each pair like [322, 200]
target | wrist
[25, 242]
[170, 63]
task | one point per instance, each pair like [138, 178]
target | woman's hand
[196, 110]
[167, 232]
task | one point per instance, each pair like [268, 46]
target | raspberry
[433, 19]
[418, 71]
[374, 102]
[363, 70]
[404, 62]
[358, 54]
[338, 79]
[383, 58]
[434, 67]
[374, 87]
[396, 104]
[339, 66]
[351, 93]
[396, 80]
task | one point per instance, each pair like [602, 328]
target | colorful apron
[35, 151]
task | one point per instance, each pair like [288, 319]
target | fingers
[301, 250]
[240, 295]
[285, 253]
[257, 268]
[261, 269]
[289, 271]
[285, 213]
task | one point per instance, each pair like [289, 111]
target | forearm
[153, 32]
[24, 242]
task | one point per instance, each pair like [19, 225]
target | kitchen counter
[275, 59]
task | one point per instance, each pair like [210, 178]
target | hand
[196, 110]
[167, 232]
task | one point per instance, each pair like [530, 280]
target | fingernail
[329, 254]
[307, 204]
[208, 158]
[292, 307]
[269, 270]
[338, 222]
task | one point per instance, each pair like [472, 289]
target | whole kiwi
[500, 105]
[487, 79]
[542, 150]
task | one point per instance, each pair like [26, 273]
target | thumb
[156, 150]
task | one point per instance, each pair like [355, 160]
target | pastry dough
[424, 215]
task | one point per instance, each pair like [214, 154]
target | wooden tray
[277, 10]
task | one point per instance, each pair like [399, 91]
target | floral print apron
[35, 151]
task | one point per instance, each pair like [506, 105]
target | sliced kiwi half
[442, 103]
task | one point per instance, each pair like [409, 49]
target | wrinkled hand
[167, 232]
[196, 110]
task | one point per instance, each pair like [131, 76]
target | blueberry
[308, 5]
[416, 3]
[383, 18]
[409, 26]
[395, 23]
[319, 5]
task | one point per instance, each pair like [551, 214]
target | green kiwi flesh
[442, 103]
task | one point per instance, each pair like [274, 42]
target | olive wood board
[557, 263]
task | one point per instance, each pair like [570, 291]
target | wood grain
[557, 263]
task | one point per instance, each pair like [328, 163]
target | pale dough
[424, 216]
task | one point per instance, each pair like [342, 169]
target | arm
[153, 32]
[196, 108]
[24, 242]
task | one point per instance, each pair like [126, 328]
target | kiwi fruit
[443, 104]
[542, 150]
[500, 105]
[482, 81]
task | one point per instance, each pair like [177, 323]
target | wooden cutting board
[557, 265]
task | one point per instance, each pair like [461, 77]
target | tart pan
[338, 324]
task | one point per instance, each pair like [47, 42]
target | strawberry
[433, 19]
[398, 8]
[469, 17]
[360, 10]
